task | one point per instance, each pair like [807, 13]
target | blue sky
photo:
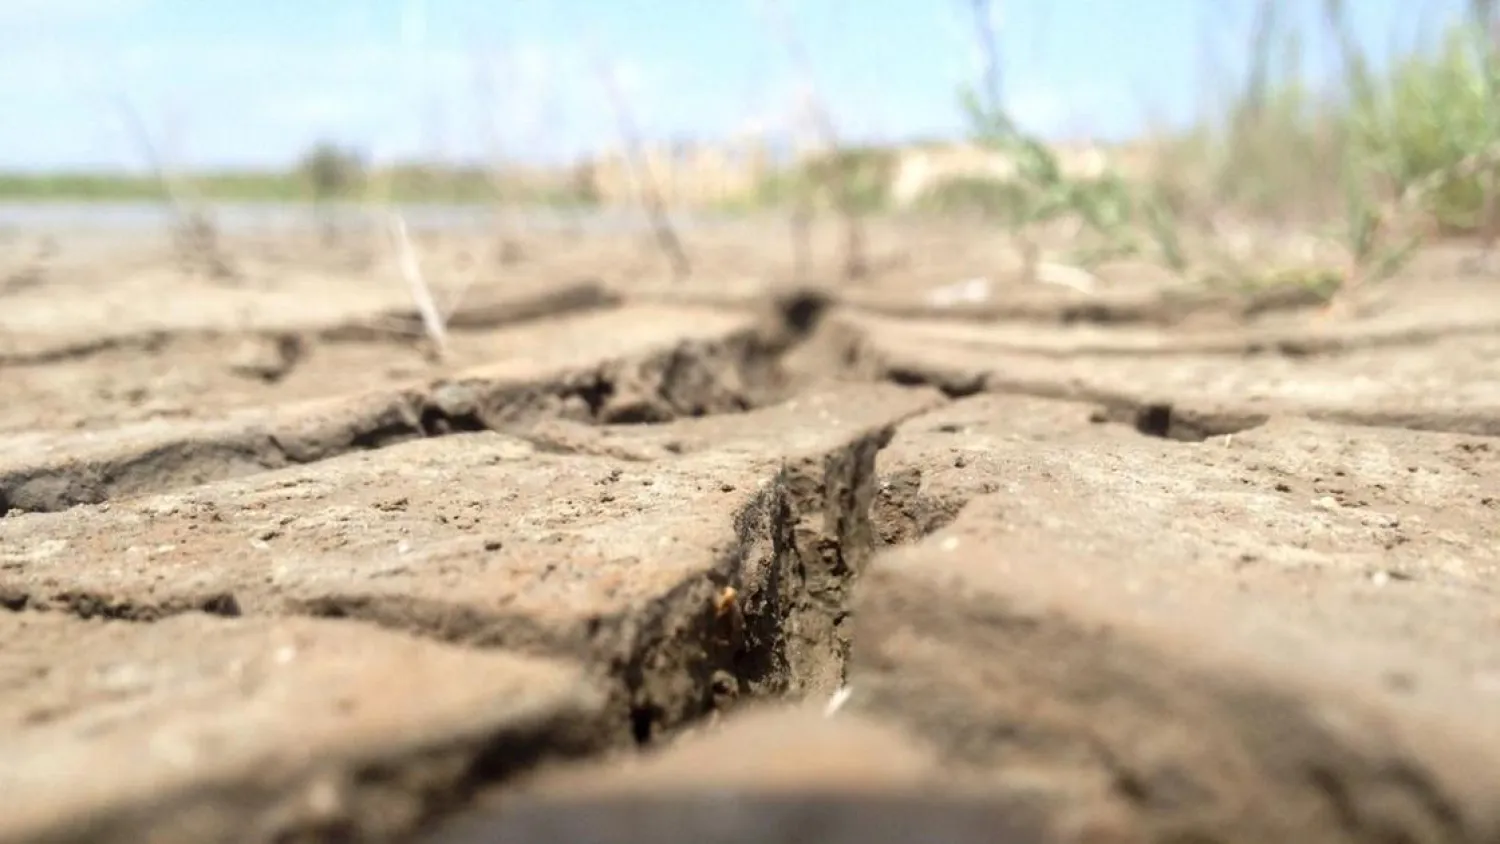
[228, 83]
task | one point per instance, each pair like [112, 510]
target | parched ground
[745, 557]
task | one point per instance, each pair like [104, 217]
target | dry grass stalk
[982, 12]
[194, 235]
[1483, 15]
[378, 197]
[801, 220]
[507, 226]
[433, 320]
[648, 190]
[820, 121]
[33, 272]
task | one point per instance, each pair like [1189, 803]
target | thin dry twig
[1483, 15]
[433, 321]
[193, 231]
[815, 111]
[648, 191]
[506, 221]
[983, 15]
[800, 219]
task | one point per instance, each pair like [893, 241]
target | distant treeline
[325, 174]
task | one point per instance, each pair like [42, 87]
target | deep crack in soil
[762, 616]
[729, 370]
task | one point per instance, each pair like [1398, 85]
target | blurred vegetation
[865, 174]
[332, 173]
[1390, 156]
[1432, 117]
[1396, 156]
[323, 175]
[1111, 215]
[112, 187]
[1285, 145]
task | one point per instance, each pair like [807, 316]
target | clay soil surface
[743, 557]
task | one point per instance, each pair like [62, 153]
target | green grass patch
[404, 184]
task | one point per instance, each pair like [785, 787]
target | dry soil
[758, 555]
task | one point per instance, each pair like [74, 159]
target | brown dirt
[1142, 565]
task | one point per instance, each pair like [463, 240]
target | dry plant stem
[421, 293]
[649, 191]
[801, 220]
[194, 233]
[1258, 81]
[987, 40]
[984, 33]
[507, 227]
[1489, 214]
[1356, 73]
[164, 178]
[1031, 259]
[801, 231]
[816, 111]
[855, 265]
[456, 300]
[1483, 14]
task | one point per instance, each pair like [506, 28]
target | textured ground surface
[1136, 565]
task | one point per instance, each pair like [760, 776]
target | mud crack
[692, 378]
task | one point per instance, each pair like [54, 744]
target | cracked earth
[731, 561]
